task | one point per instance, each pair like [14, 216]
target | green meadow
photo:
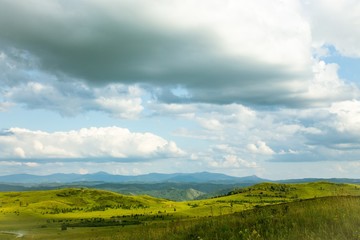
[318, 210]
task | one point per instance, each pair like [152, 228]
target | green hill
[74, 213]
[71, 200]
[267, 193]
[298, 191]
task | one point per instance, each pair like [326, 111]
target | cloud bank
[102, 143]
[208, 47]
[216, 52]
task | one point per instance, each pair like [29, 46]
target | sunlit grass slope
[321, 218]
[85, 213]
[68, 200]
[268, 193]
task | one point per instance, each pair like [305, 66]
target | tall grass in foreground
[322, 218]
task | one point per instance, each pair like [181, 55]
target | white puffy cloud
[120, 101]
[347, 115]
[109, 142]
[210, 124]
[326, 86]
[260, 147]
[232, 162]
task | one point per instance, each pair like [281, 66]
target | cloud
[14, 167]
[260, 148]
[327, 87]
[24, 84]
[4, 106]
[232, 161]
[177, 51]
[334, 126]
[335, 23]
[324, 133]
[18, 164]
[16, 66]
[83, 171]
[210, 124]
[239, 83]
[74, 98]
[101, 143]
[223, 156]
[347, 115]
[119, 101]
[221, 52]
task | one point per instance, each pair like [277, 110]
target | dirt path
[16, 234]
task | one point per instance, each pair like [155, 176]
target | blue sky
[131, 87]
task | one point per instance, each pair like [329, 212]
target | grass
[320, 218]
[263, 211]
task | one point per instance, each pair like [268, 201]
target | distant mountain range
[333, 180]
[202, 177]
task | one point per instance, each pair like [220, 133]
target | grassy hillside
[321, 218]
[75, 213]
[268, 193]
[72, 201]
[294, 191]
[82, 201]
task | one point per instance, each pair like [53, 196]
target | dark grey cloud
[333, 139]
[80, 40]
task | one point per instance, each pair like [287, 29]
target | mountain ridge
[197, 177]
[200, 177]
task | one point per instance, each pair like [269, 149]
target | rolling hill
[74, 213]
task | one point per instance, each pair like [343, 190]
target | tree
[63, 227]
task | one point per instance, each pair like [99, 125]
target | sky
[241, 87]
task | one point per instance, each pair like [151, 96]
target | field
[317, 210]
